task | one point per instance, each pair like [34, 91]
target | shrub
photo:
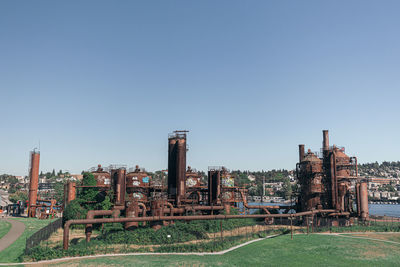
[74, 211]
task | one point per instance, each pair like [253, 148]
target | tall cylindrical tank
[310, 180]
[181, 169]
[364, 201]
[177, 165]
[172, 166]
[214, 186]
[34, 183]
[301, 152]
[325, 140]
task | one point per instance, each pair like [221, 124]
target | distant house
[252, 178]
[77, 177]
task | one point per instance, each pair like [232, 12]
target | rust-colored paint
[364, 201]
[325, 180]
[102, 177]
[325, 140]
[301, 152]
[34, 183]
[71, 189]
[177, 166]
[214, 186]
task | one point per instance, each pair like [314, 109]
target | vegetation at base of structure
[42, 252]
[174, 233]
[74, 210]
[4, 228]
[16, 249]
[88, 199]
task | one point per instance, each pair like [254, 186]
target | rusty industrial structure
[39, 206]
[34, 182]
[329, 180]
[329, 183]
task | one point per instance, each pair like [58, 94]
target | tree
[58, 191]
[74, 211]
[53, 173]
[20, 195]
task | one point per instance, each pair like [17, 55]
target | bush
[74, 211]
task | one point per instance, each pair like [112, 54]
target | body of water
[374, 209]
[382, 209]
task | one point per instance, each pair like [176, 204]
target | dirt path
[17, 228]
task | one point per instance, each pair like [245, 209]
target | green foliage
[106, 204]
[177, 232]
[88, 194]
[19, 195]
[97, 246]
[58, 191]
[74, 211]
[387, 187]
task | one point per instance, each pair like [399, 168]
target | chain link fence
[42, 234]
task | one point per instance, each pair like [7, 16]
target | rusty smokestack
[364, 201]
[34, 183]
[325, 141]
[301, 152]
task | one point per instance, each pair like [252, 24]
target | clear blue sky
[106, 81]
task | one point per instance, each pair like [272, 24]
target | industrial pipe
[144, 210]
[186, 218]
[92, 213]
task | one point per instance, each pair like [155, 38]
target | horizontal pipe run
[339, 214]
[186, 218]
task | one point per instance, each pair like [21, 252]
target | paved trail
[17, 228]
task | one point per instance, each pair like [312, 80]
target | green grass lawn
[304, 250]
[4, 228]
[16, 249]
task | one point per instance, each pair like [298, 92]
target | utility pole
[263, 186]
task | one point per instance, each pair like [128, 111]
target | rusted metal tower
[177, 165]
[34, 182]
[329, 180]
